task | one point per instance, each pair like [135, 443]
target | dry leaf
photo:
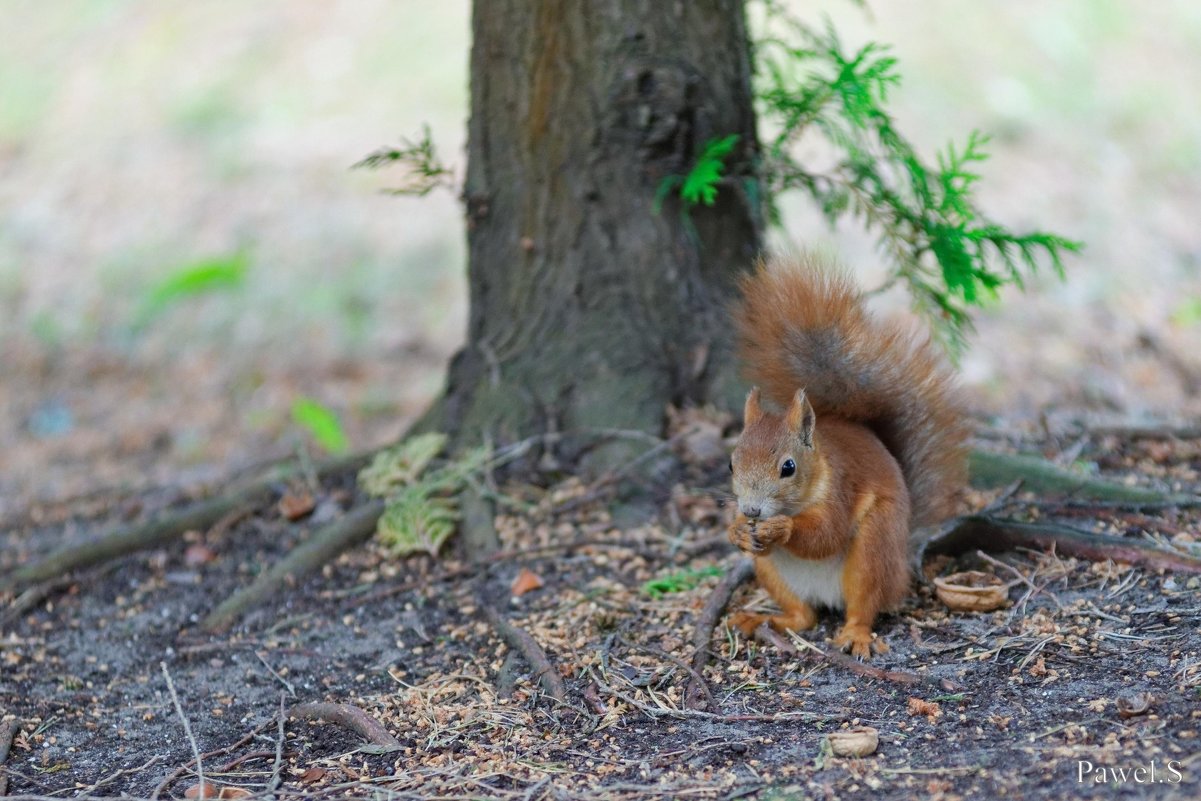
[973, 591]
[928, 708]
[526, 581]
[312, 775]
[294, 506]
[197, 554]
[857, 742]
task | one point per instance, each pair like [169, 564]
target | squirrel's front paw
[757, 536]
[774, 530]
[744, 536]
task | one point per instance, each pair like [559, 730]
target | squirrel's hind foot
[858, 639]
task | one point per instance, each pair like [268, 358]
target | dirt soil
[1014, 702]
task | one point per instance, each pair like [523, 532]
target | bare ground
[1008, 703]
[357, 300]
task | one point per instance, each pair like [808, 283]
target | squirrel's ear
[801, 418]
[751, 412]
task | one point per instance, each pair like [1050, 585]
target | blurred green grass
[136, 136]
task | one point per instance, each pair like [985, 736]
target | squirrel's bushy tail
[802, 323]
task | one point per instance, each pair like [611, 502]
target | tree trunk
[589, 310]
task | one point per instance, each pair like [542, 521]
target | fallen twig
[710, 703]
[349, 717]
[278, 766]
[322, 546]
[112, 777]
[187, 727]
[706, 622]
[980, 532]
[8, 733]
[520, 640]
[287, 684]
[33, 596]
[236, 761]
[182, 769]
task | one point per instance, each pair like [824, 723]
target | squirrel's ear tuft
[801, 418]
[751, 412]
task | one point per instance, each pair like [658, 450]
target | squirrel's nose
[751, 511]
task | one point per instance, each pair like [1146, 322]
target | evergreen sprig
[425, 171]
[948, 252]
[940, 244]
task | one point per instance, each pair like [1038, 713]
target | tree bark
[587, 309]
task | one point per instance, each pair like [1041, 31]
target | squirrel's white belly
[815, 581]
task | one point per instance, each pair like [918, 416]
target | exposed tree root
[520, 640]
[167, 525]
[349, 717]
[999, 534]
[1038, 475]
[706, 622]
[32, 597]
[322, 546]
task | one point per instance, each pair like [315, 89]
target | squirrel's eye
[788, 468]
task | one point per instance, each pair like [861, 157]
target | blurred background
[185, 252]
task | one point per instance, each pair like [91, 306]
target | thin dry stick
[112, 777]
[349, 717]
[710, 703]
[235, 762]
[287, 684]
[277, 769]
[520, 640]
[1034, 589]
[7, 735]
[216, 752]
[187, 727]
[702, 631]
[322, 546]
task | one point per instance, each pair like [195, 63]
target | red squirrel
[869, 442]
